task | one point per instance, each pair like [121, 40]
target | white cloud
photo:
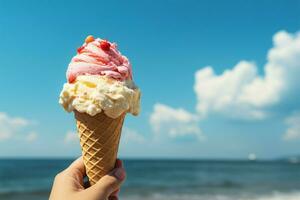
[10, 126]
[241, 92]
[130, 135]
[293, 130]
[31, 137]
[71, 137]
[174, 122]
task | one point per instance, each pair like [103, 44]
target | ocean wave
[281, 196]
[221, 184]
[163, 196]
[273, 196]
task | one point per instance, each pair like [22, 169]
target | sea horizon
[277, 159]
[165, 179]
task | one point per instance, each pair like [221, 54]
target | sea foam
[273, 196]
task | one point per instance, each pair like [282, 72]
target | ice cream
[100, 91]
[100, 79]
[94, 94]
[99, 57]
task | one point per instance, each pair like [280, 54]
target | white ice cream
[93, 94]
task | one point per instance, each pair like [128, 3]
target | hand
[68, 185]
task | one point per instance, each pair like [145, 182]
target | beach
[165, 179]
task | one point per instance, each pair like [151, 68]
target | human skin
[69, 185]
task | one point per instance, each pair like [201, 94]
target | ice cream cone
[100, 91]
[99, 140]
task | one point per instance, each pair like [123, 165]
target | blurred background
[220, 106]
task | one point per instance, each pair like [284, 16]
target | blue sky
[212, 115]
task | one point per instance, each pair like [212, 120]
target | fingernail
[121, 163]
[120, 173]
[118, 163]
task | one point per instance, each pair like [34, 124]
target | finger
[115, 193]
[76, 169]
[107, 184]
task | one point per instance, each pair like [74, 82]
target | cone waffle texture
[99, 140]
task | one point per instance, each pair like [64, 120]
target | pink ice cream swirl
[99, 57]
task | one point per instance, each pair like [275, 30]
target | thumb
[107, 184]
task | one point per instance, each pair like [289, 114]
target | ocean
[165, 179]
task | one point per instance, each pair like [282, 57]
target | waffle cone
[99, 140]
